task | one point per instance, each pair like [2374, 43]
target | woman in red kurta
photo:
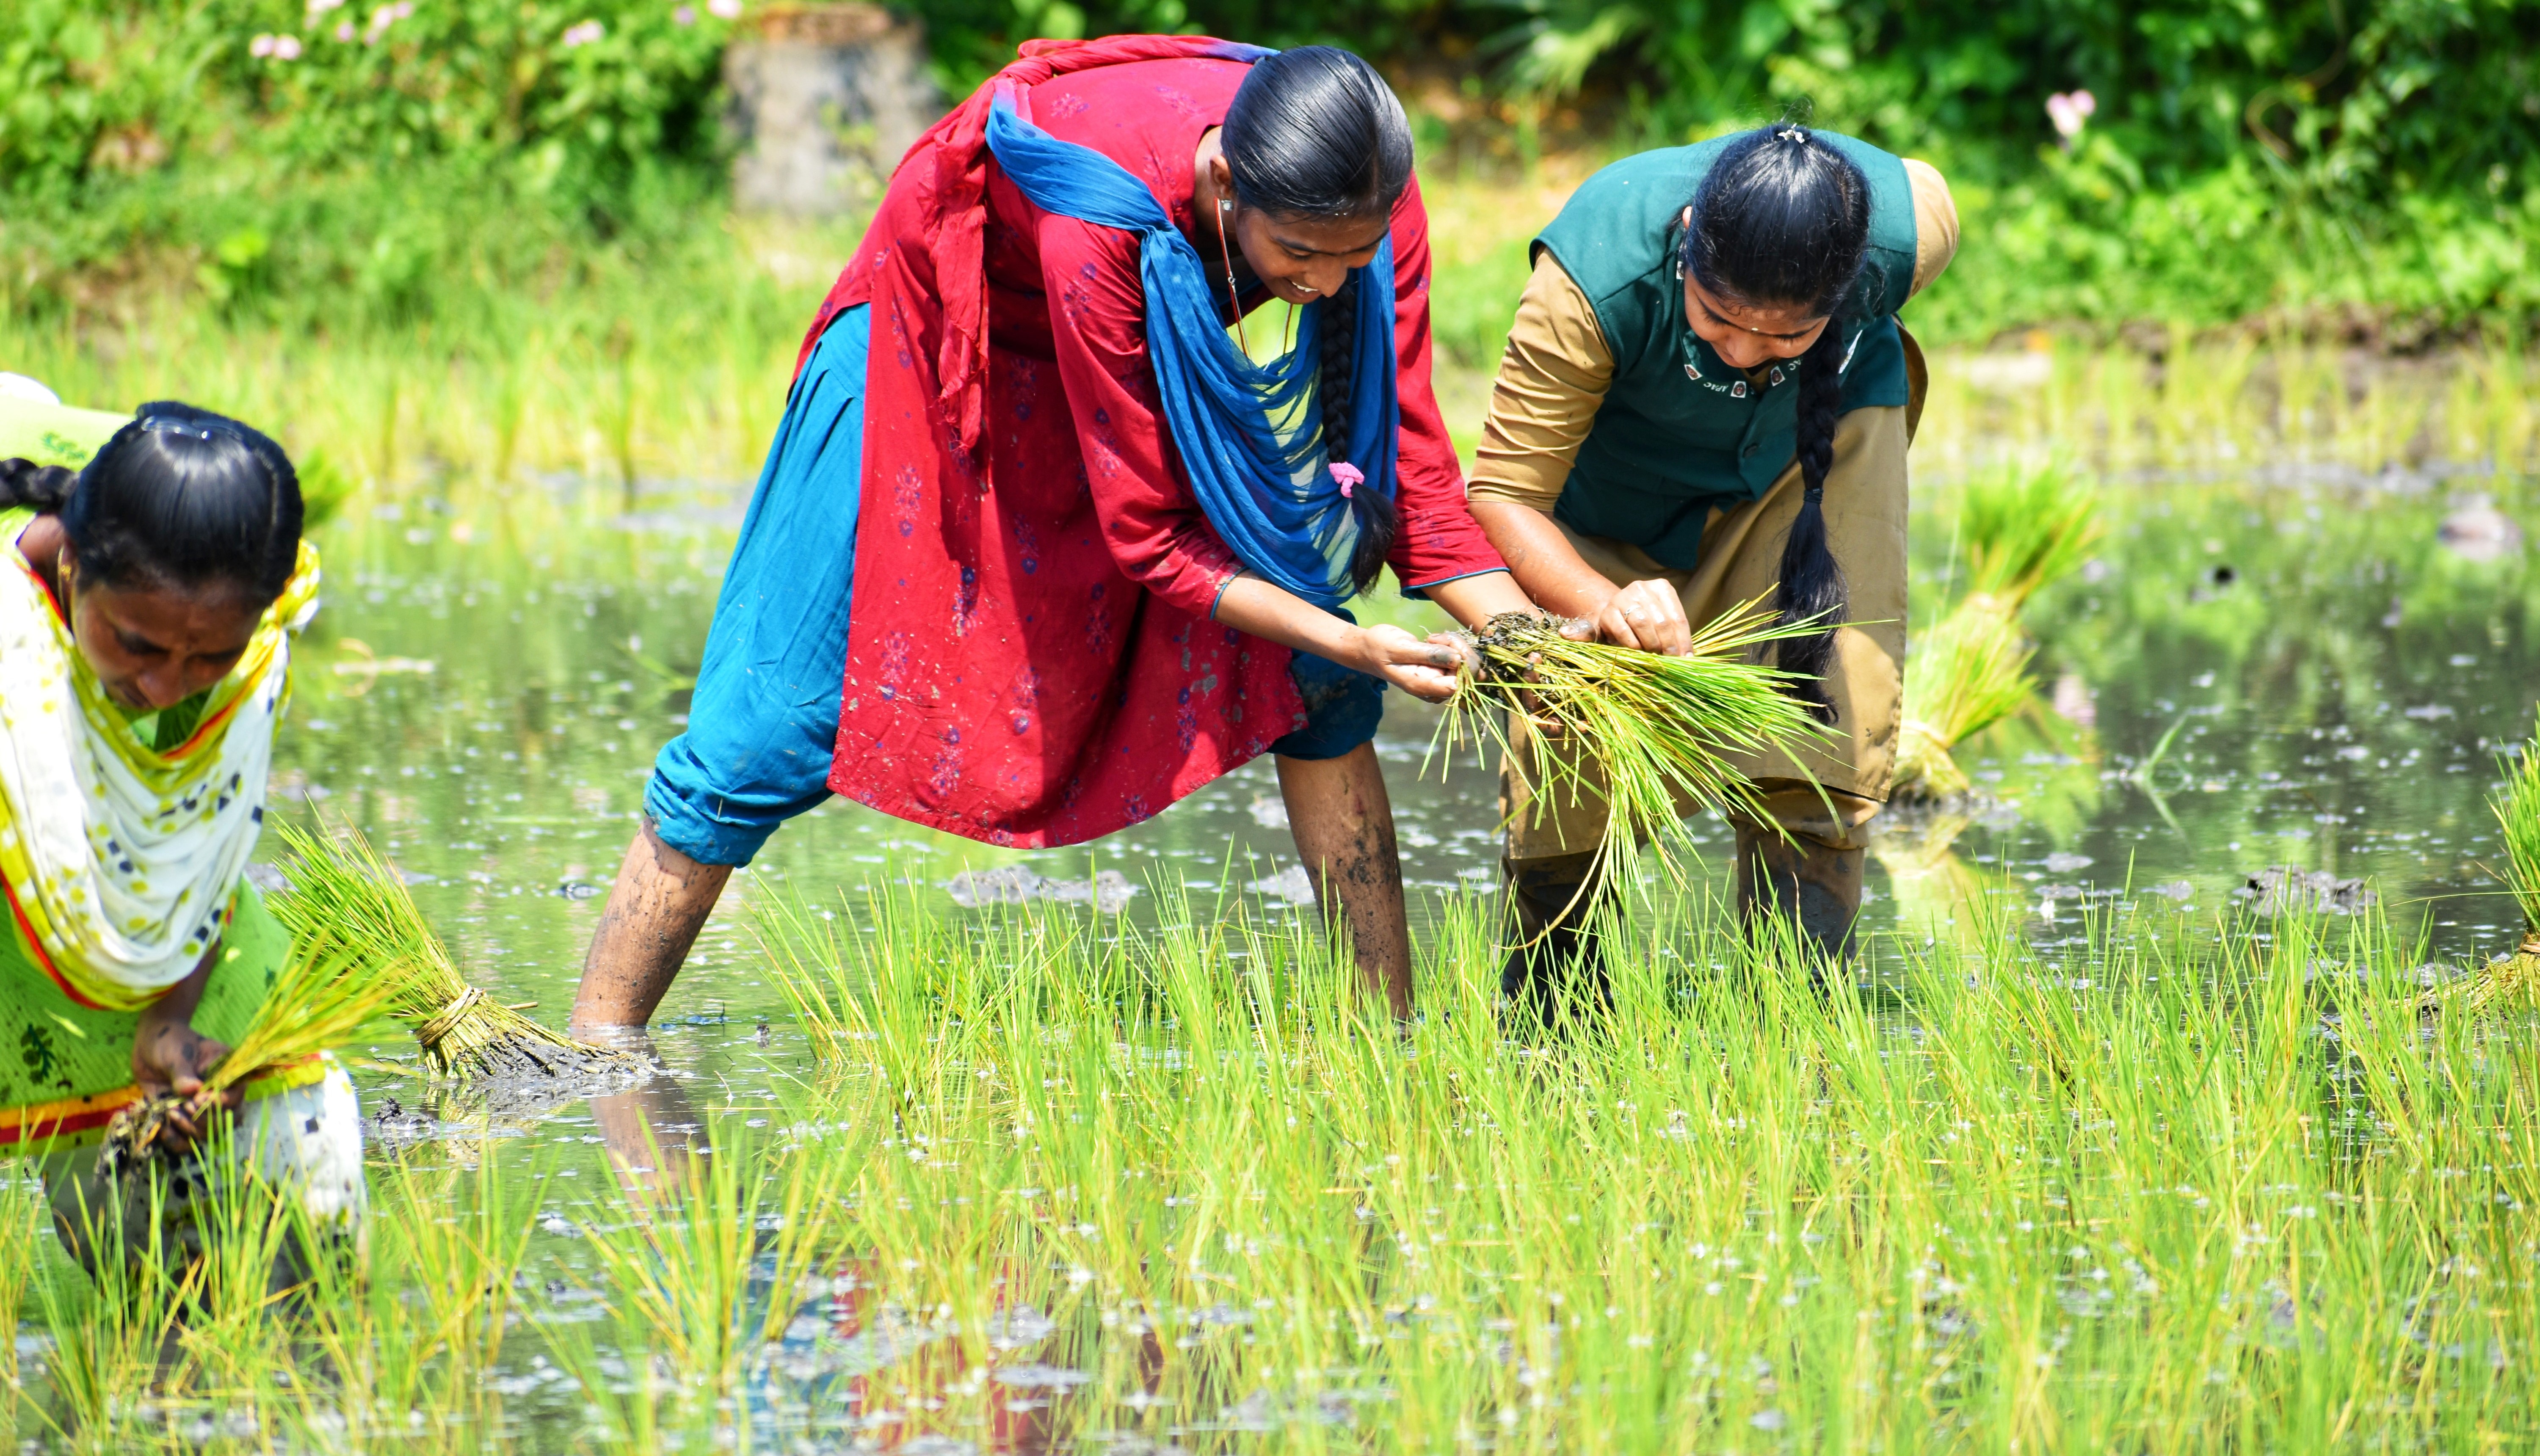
[1046, 637]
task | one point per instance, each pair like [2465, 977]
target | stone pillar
[825, 99]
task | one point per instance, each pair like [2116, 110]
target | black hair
[1783, 220]
[180, 497]
[1315, 132]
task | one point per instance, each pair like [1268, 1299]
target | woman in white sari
[147, 608]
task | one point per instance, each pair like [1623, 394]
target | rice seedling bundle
[2512, 977]
[318, 1000]
[1652, 733]
[1966, 675]
[344, 894]
[2025, 530]
[2022, 531]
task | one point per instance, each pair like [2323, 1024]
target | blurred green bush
[577, 96]
[325, 161]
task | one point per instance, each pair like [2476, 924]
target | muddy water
[2295, 675]
[2302, 675]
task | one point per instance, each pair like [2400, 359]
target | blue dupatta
[1271, 498]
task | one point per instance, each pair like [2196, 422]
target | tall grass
[2174, 1186]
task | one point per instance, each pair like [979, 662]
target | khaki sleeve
[1935, 223]
[1550, 382]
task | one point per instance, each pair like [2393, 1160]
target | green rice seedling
[344, 894]
[1657, 735]
[2512, 979]
[2023, 530]
[108, 1329]
[25, 1232]
[678, 1268]
[1961, 677]
[1946, 1218]
[2020, 532]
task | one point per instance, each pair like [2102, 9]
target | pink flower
[286, 47]
[685, 15]
[723, 10]
[344, 32]
[2069, 109]
[582, 34]
[318, 8]
[260, 47]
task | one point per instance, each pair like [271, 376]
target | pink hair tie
[1348, 475]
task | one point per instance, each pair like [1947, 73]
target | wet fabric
[304, 1141]
[756, 749]
[1032, 660]
[119, 856]
[764, 714]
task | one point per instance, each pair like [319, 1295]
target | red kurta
[1032, 660]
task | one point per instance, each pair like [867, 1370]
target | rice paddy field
[2129, 1136]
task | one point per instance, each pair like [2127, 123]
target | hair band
[199, 428]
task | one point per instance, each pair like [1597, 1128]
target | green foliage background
[2368, 165]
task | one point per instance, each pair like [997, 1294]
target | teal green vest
[1680, 433]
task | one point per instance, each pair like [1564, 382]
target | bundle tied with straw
[2513, 978]
[344, 893]
[2020, 532]
[318, 1000]
[1651, 733]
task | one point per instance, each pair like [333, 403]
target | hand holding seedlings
[170, 1059]
[1664, 731]
[1648, 614]
[1426, 668]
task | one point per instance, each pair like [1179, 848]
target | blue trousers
[763, 721]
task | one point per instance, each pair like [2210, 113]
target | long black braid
[1783, 220]
[1315, 132]
[26, 483]
[1813, 586]
[1378, 522]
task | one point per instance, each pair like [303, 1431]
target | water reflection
[2310, 675]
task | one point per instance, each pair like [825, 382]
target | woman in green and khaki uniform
[1706, 401]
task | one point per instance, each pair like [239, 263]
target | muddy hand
[1648, 615]
[1468, 656]
[1424, 669]
[170, 1057]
